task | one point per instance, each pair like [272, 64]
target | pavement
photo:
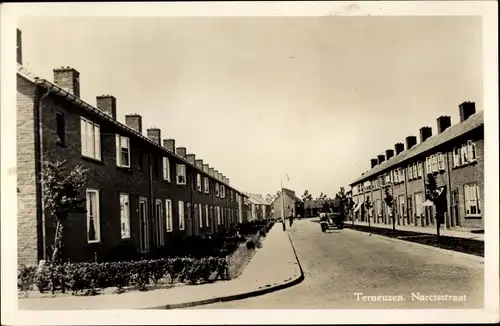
[348, 269]
[425, 230]
[273, 267]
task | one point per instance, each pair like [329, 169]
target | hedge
[77, 277]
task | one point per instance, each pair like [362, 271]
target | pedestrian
[290, 218]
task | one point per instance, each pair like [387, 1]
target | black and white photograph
[321, 162]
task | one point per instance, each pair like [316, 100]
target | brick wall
[29, 217]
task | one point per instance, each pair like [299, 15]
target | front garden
[196, 260]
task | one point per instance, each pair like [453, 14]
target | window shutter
[97, 136]
[118, 156]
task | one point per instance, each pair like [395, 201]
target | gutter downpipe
[40, 139]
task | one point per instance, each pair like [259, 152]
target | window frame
[97, 218]
[198, 183]
[207, 220]
[169, 221]
[200, 215]
[159, 220]
[119, 151]
[181, 215]
[125, 220]
[441, 162]
[96, 139]
[181, 168]
[166, 169]
[206, 185]
[467, 193]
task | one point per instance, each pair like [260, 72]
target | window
[166, 169]
[428, 165]
[181, 174]
[181, 215]
[207, 223]
[218, 215]
[216, 190]
[222, 191]
[198, 182]
[419, 200]
[440, 161]
[434, 163]
[414, 170]
[396, 176]
[456, 157]
[471, 151]
[378, 205]
[168, 212]
[471, 194]
[93, 217]
[465, 155]
[401, 201]
[125, 216]
[200, 208]
[160, 227]
[206, 185]
[60, 127]
[122, 151]
[420, 169]
[91, 139]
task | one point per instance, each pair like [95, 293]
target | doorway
[143, 225]
[455, 220]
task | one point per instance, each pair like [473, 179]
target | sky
[259, 98]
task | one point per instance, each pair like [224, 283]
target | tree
[389, 201]
[61, 188]
[432, 193]
[368, 205]
[306, 196]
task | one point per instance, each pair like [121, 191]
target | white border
[9, 13]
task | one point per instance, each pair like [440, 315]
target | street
[346, 269]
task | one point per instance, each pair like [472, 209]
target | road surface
[347, 269]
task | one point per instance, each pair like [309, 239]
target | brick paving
[341, 263]
[273, 264]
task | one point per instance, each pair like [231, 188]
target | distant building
[257, 207]
[312, 208]
[455, 155]
[289, 200]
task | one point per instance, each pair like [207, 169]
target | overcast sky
[313, 97]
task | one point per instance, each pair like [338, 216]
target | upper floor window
[181, 174]
[216, 189]
[122, 151]
[464, 154]
[420, 169]
[435, 163]
[206, 185]
[198, 182]
[91, 139]
[222, 191]
[166, 169]
[60, 128]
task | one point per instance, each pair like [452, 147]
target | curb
[240, 296]
[449, 252]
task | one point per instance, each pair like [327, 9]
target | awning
[428, 203]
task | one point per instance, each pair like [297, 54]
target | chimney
[107, 104]
[199, 164]
[181, 151]
[206, 168]
[425, 133]
[210, 171]
[191, 158]
[154, 134]
[134, 121]
[443, 122]
[466, 110]
[68, 79]
[399, 147]
[19, 47]
[410, 142]
[388, 154]
[381, 158]
[169, 144]
[227, 181]
[373, 162]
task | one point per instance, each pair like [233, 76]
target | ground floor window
[93, 216]
[160, 225]
[125, 216]
[471, 195]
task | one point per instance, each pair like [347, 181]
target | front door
[409, 204]
[143, 225]
[189, 222]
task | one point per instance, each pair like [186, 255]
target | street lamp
[283, 202]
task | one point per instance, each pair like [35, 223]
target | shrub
[250, 244]
[88, 277]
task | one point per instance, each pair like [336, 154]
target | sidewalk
[273, 267]
[425, 230]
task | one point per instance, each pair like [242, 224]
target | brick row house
[455, 155]
[141, 191]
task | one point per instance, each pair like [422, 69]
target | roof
[54, 89]
[291, 194]
[473, 122]
[256, 199]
